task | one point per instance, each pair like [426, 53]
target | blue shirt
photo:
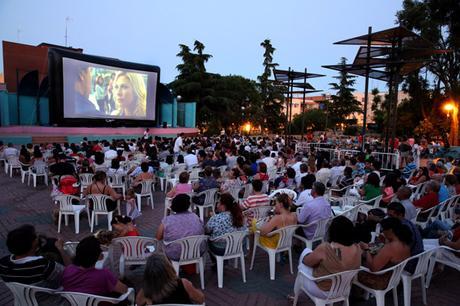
[408, 169]
[443, 193]
[316, 209]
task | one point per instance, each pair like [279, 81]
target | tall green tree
[314, 120]
[343, 102]
[439, 22]
[378, 109]
[271, 95]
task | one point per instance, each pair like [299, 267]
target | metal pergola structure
[388, 56]
[286, 78]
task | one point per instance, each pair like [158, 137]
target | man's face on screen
[123, 92]
[84, 86]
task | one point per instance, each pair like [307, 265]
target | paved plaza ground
[20, 204]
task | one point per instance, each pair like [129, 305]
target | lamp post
[451, 108]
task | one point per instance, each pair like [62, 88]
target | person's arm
[451, 244]
[269, 226]
[171, 193]
[114, 195]
[120, 287]
[196, 295]
[314, 258]
[140, 298]
[160, 232]
[380, 260]
[302, 217]
[59, 244]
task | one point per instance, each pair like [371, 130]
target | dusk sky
[149, 32]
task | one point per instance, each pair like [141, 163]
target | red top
[134, 232]
[427, 201]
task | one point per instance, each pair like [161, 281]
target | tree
[439, 22]
[343, 103]
[315, 120]
[272, 96]
[378, 109]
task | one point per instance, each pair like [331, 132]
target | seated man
[317, 209]
[411, 166]
[24, 266]
[257, 198]
[431, 198]
[82, 276]
[403, 195]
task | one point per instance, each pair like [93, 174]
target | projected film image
[98, 91]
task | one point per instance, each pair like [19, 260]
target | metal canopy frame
[286, 79]
[387, 55]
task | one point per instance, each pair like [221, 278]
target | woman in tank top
[162, 285]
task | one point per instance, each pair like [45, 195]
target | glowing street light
[247, 127]
[451, 107]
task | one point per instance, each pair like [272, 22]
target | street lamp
[451, 107]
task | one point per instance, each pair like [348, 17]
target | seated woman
[204, 183]
[99, 186]
[229, 219]
[83, 277]
[123, 226]
[262, 172]
[182, 223]
[283, 217]
[183, 187]
[337, 255]
[388, 191]
[398, 239]
[287, 181]
[143, 176]
[161, 285]
[232, 181]
[115, 168]
[99, 162]
[86, 167]
[372, 187]
[421, 176]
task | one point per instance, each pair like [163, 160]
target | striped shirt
[255, 201]
[30, 270]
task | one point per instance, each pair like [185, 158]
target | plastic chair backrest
[247, 190]
[291, 193]
[209, 196]
[233, 242]
[82, 299]
[257, 213]
[396, 276]
[321, 228]
[26, 294]
[340, 284]
[422, 264]
[285, 236]
[116, 179]
[146, 187]
[39, 167]
[190, 246]
[235, 191]
[65, 202]
[99, 201]
[86, 178]
[133, 248]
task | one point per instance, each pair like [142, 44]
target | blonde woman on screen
[130, 95]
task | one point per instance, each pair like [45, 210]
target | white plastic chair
[24, 172]
[291, 193]
[146, 191]
[436, 259]
[117, 181]
[392, 283]
[13, 163]
[26, 294]
[318, 236]
[36, 171]
[100, 208]
[246, 193]
[427, 216]
[284, 244]
[350, 212]
[82, 299]
[167, 174]
[233, 249]
[339, 291]
[235, 192]
[420, 272]
[134, 251]
[370, 204]
[190, 253]
[66, 208]
[85, 180]
[210, 198]
[258, 213]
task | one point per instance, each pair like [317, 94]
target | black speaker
[165, 124]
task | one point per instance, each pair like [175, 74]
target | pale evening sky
[149, 31]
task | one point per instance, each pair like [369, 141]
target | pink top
[183, 188]
[90, 281]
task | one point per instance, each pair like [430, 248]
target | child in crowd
[131, 208]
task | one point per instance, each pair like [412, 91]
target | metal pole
[366, 88]
[303, 104]
[17, 97]
[287, 109]
[395, 102]
[389, 104]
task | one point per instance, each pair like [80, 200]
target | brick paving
[21, 204]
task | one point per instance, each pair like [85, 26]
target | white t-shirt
[190, 160]
[177, 144]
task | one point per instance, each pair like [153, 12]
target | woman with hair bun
[123, 226]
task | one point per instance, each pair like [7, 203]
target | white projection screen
[96, 91]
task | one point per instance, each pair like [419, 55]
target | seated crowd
[246, 172]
